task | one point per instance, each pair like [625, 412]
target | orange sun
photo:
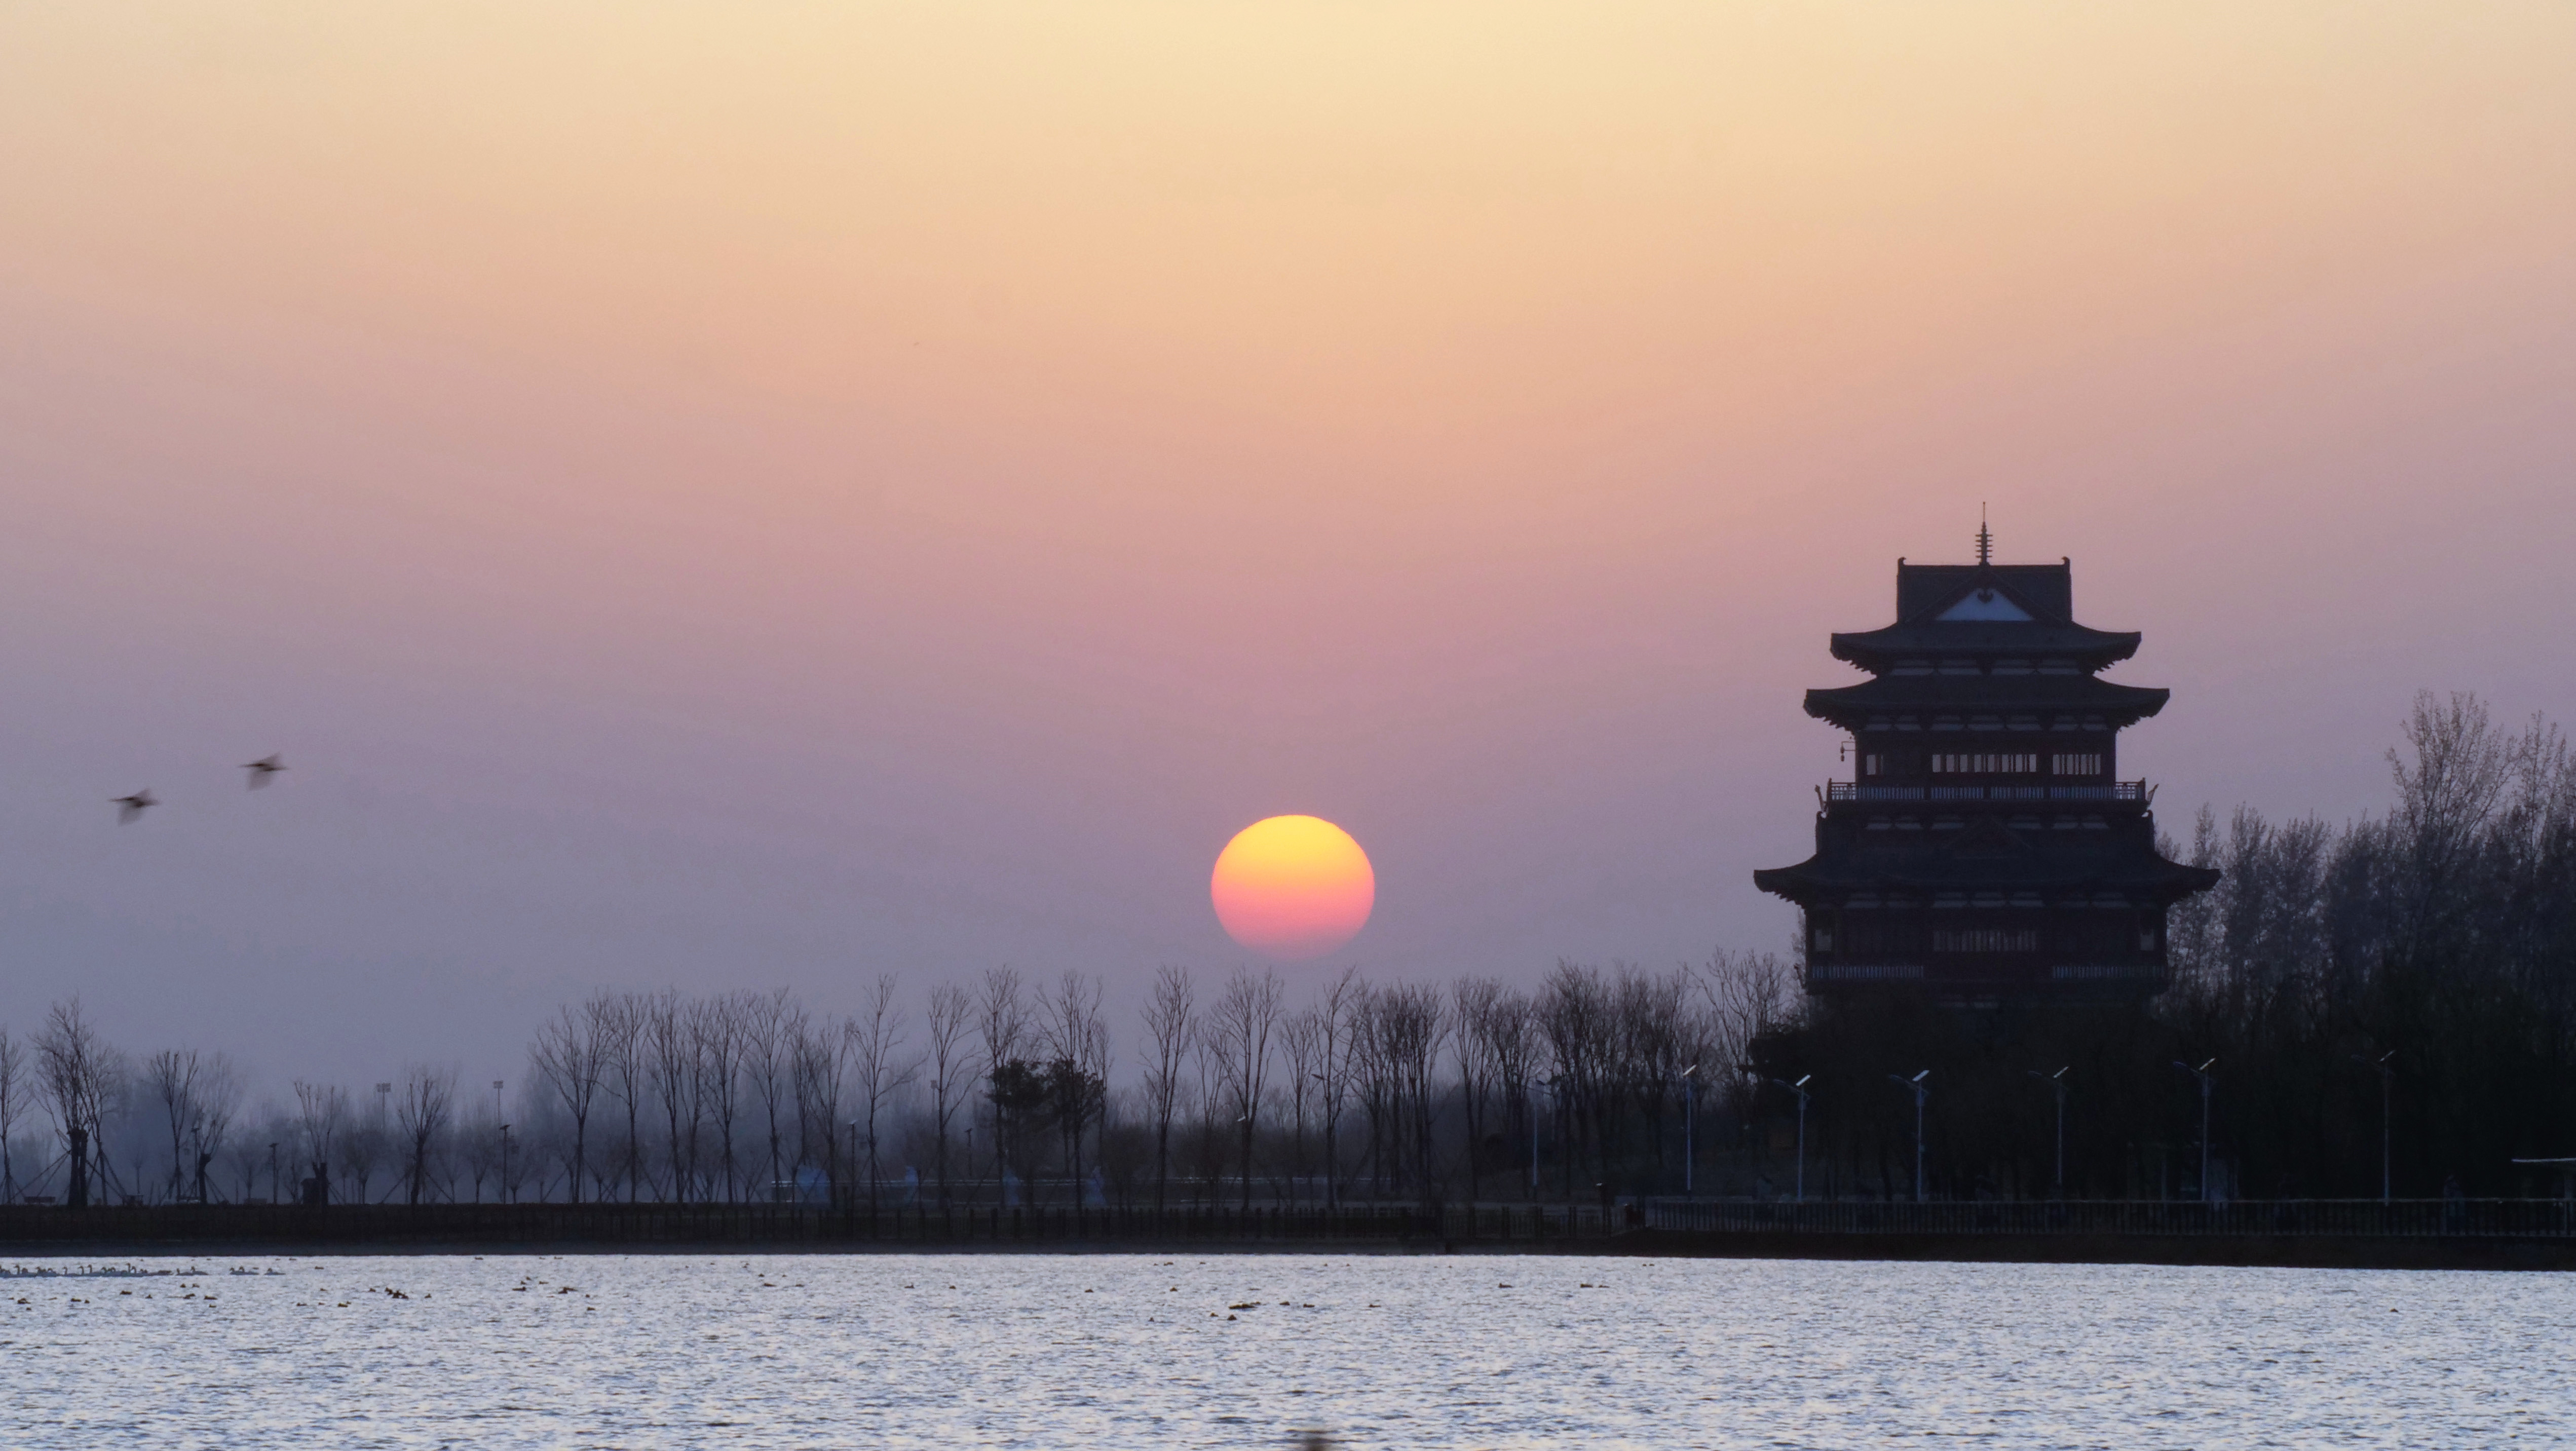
[1293, 887]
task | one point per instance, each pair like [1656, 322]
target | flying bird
[131, 808]
[263, 768]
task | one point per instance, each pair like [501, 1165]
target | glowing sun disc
[1292, 887]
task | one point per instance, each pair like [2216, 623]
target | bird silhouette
[131, 808]
[263, 768]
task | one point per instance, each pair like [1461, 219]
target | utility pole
[1921, 1091]
[2202, 1073]
[2057, 1081]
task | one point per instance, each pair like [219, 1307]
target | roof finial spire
[1985, 538]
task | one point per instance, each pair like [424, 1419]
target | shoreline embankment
[2530, 1238]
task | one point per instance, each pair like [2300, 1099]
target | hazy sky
[754, 494]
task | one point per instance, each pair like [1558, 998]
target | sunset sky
[755, 494]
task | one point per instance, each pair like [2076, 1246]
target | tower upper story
[1986, 848]
[1985, 679]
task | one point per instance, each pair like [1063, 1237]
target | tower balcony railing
[2137, 791]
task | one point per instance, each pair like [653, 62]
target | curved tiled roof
[1968, 861]
[1987, 695]
[1984, 639]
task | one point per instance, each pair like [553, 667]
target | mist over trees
[2423, 961]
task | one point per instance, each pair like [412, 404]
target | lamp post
[1921, 1091]
[505, 1162]
[1800, 1088]
[2202, 1074]
[1690, 1123]
[2057, 1081]
[2387, 1076]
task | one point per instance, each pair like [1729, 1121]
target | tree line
[2386, 1004]
[1000, 1091]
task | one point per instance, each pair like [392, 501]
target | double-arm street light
[1800, 1088]
[2057, 1081]
[1921, 1091]
[2202, 1073]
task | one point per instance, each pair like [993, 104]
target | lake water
[1139, 1351]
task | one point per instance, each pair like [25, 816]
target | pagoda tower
[1986, 850]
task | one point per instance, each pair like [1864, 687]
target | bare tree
[671, 1052]
[362, 1141]
[568, 1055]
[718, 1026]
[875, 1038]
[772, 1024]
[1333, 1075]
[1077, 1047]
[13, 1107]
[951, 1010]
[819, 1063]
[1170, 1027]
[1412, 1021]
[1242, 1021]
[1746, 994]
[1511, 1048]
[319, 1111]
[77, 1074]
[1003, 1022]
[1301, 1035]
[218, 1099]
[428, 1098]
[618, 1019]
[170, 1076]
[1476, 1000]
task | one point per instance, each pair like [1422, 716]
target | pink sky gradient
[740, 495]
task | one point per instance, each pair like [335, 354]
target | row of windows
[2000, 667]
[1985, 939]
[2018, 823]
[1868, 939]
[1995, 763]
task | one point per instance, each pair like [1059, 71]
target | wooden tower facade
[1986, 849]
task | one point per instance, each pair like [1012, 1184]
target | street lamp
[505, 1161]
[1529, 1105]
[2387, 1076]
[2202, 1073]
[1921, 1091]
[1800, 1088]
[1690, 1121]
[2057, 1081]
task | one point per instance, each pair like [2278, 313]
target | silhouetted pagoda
[1986, 850]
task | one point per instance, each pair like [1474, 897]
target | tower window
[1873, 764]
[1994, 763]
[1985, 939]
[2076, 763]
